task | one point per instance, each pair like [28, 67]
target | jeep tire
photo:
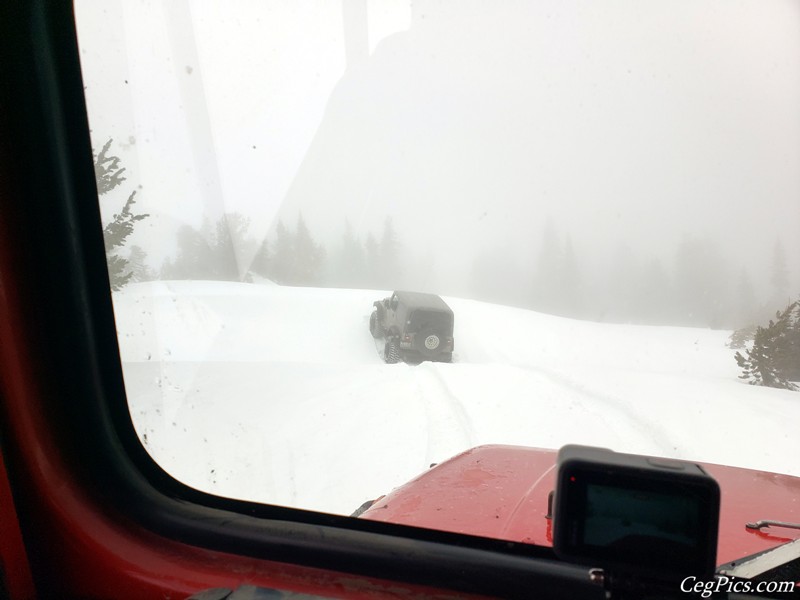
[374, 327]
[392, 352]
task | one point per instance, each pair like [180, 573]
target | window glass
[606, 195]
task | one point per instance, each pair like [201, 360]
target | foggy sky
[630, 124]
[634, 127]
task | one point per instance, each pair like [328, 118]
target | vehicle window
[605, 194]
[422, 319]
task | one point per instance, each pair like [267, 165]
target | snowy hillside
[278, 394]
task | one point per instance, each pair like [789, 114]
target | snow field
[278, 395]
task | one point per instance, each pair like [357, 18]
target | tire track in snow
[444, 415]
[650, 430]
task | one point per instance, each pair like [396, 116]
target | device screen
[623, 519]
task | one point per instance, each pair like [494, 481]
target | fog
[582, 158]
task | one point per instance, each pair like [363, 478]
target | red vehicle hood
[501, 492]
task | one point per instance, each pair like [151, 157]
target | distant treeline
[291, 256]
[699, 287]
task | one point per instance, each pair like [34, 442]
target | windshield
[425, 319]
[606, 194]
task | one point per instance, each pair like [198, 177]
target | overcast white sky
[628, 122]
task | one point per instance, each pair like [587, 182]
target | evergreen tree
[137, 265]
[262, 260]
[308, 256]
[107, 170]
[109, 175]
[230, 245]
[114, 236]
[774, 358]
[758, 368]
[167, 270]
[194, 259]
[216, 252]
[283, 263]
[787, 346]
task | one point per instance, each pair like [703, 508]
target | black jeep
[416, 326]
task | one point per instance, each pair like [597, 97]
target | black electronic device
[635, 515]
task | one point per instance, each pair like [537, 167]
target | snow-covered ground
[278, 394]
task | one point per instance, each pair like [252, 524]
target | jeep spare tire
[432, 342]
[429, 342]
